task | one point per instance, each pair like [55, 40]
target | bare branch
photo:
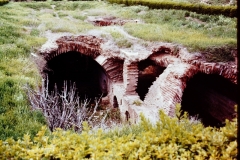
[62, 110]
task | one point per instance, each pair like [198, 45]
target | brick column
[130, 77]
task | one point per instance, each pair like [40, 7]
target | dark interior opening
[72, 67]
[115, 102]
[211, 97]
[127, 115]
[148, 71]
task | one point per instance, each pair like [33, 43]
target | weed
[137, 103]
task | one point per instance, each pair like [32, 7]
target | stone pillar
[130, 77]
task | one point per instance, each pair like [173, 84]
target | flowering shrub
[169, 138]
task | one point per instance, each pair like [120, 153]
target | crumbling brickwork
[122, 71]
[130, 78]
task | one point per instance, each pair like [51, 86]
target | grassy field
[23, 27]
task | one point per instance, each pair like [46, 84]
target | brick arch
[228, 72]
[216, 92]
[90, 46]
[220, 88]
[87, 45]
[222, 69]
[179, 81]
[113, 67]
[210, 96]
[168, 88]
[148, 71]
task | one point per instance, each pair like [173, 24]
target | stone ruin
[158, 76]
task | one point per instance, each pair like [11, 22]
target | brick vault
[158, 77]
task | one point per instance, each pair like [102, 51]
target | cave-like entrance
[148, 71]
[73, 67]
[211, 97]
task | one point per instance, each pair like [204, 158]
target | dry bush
[64, 110]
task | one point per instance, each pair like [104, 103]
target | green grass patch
[192, 39]
[36, 6]
[63, 25]
[19, 36]
[74, 5]
[16, 117]
[119, 38]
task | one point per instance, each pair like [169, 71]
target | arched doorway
[148, 72]
[211, 97]
[73, 67]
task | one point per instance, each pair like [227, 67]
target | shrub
[3, 2]
[64, 110]
[169, 138]
[230, 11]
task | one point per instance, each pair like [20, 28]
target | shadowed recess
[211, 97]
[115, 102]
[89, 77]
[148, 71]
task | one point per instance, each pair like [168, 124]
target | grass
[197, 35]
[17, 40]
[216, 2]
[16, 117]
[210, 2]
[119, 38]
[22, 29]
